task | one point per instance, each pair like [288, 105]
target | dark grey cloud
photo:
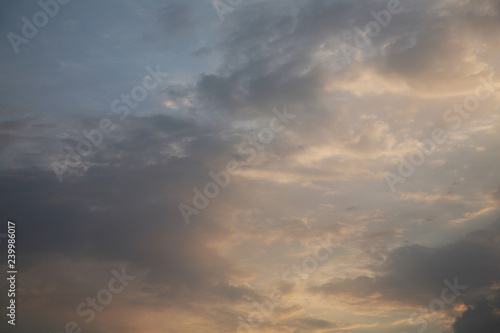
[90, 217]
[310, 324]
[203, 52]
[414, 274]
[177, 17]
[13, 125]
[483, 316]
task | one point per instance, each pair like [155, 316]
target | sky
[275, 166]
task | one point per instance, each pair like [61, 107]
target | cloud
[309, 324]
[322, 176]
[483, 316]
[414, 274]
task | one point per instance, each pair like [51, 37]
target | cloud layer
[244, 261]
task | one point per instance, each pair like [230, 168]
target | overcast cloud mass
[251, 165]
